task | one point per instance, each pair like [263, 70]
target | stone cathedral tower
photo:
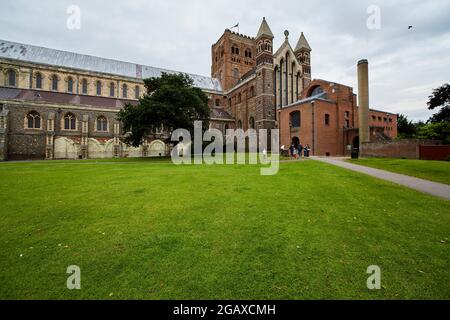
[265, 98]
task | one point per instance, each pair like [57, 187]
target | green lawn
[151, 230]
[438, 171]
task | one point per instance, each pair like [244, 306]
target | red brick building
[326, 118]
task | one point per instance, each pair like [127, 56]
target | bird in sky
[410, 27]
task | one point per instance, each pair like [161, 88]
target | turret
[264, 44]
[303, 54]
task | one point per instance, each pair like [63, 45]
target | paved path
[437, 189]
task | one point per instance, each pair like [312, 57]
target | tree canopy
[440, 99]
[171, 102]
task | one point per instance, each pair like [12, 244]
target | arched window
[239, 124]
[33, 120]
[84, 86]
[102, 124]
[327, 119]
[124, 91]
[239, 98]
[316, 91]
[251, 123]
[248, 53]
[70, 121]
[11, 78]
[295, 119]
[38, 81]
[137, 92]
[55, 82]
[112, 89]
[99, 88]
[70, 85]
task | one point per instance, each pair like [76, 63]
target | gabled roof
[264, 30]
[46, 56]
[302, 43]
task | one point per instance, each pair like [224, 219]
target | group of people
[299, 151]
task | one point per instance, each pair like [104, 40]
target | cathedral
[62, 105]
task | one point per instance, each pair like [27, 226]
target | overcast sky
[405, 65]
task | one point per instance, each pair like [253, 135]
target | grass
[438, 171]
[146, 229]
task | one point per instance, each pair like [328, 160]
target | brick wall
[408, 149]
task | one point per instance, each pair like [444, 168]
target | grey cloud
[405, 64]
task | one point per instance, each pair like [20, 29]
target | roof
[38, 96]
[302, 43]
[71, 60]
[220, 113]
[264, 29]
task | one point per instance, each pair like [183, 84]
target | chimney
[363, 102]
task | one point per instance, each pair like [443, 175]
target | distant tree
[435, 131]
[440, 99]
[171, 102]
[406, 128]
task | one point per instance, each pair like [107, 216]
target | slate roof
[71, 60]
[63, 98]
[220, 113]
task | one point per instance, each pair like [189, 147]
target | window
[251, 123]
[38, 81]
[137, 92]
[217, 102]
[235, 50]
[124, 91]
[11, 78]
[102, 124]
[295, 119]
[239, 98]
[347, 123]
[33, 120]
[112, 89]
[70, 122]
[248, 53]
[99, 88]
[317, 91]
[327, 119]
[70, 85]
[84, 86]
[239, 124]
[347, 114]
[252, 91]
[54, 83]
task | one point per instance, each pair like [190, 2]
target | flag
[236, 26]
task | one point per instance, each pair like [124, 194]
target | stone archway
[157, 148]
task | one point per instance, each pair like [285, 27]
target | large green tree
[440, 99]
[171, 102]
